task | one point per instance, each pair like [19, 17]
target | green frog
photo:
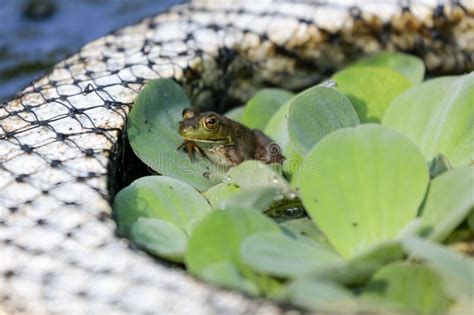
[225, 141]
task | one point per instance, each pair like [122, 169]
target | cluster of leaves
[381, 164]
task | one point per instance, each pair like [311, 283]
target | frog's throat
[216, 141]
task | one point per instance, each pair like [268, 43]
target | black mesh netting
[61, 150]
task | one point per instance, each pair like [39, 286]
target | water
[29, 46]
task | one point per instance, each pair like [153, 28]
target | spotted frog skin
[225, 141]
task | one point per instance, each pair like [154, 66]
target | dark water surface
[36, 34]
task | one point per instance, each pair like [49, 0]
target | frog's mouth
[214, 141]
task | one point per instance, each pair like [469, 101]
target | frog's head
[204, 127]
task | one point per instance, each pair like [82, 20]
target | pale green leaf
[456, 269]
[263, 105]
[410, 286]
[280, 255]
[438, 116]
[226, 274]
[159, 197]
[253, 174]
[449, 201]
[321, 296]
[410, 66]
[219, 235]
[304, 228]
[235, 114]
[362, 185]
[160, 238]
[316, 113]
[216, 195]
[370, 89]
[277, 128]
[439, 165]
[152, 129]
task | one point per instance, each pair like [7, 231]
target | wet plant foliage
[378, 174]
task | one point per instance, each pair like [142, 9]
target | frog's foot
[191, 148]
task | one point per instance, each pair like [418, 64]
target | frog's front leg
[233, 155]
[224, 155]
[190, 147]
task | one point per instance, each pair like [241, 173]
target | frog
[224, 141]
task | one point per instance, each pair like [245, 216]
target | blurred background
[36, 34]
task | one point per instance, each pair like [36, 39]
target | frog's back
[253, 144]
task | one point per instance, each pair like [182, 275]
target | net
[63, 154]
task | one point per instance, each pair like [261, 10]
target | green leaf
[160, 238]
[321, 296]
[159, 197]
[268, 286]
[456, 269]
[438, 116]
[263, 105]
[449, 201]
[277, 127]
[292, 162]
[410, 286]
[410, 66]
[439, 165]
[258, 198]
[317, 112]
[371, 89]
[235, 113]
[153, 133]
[216, 195]
[264, 185]
[362, 185]
[253, 174]
[219, 235]
[304, 228]
[280, 255]
[226, 274]
[358, 270]
[226, 195]
[370, 260]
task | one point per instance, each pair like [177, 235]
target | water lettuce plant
[361, 216]
[361, 175]
[437, 116]
[152, 131]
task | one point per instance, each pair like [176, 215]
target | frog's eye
[189, 113]
[210, 122]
